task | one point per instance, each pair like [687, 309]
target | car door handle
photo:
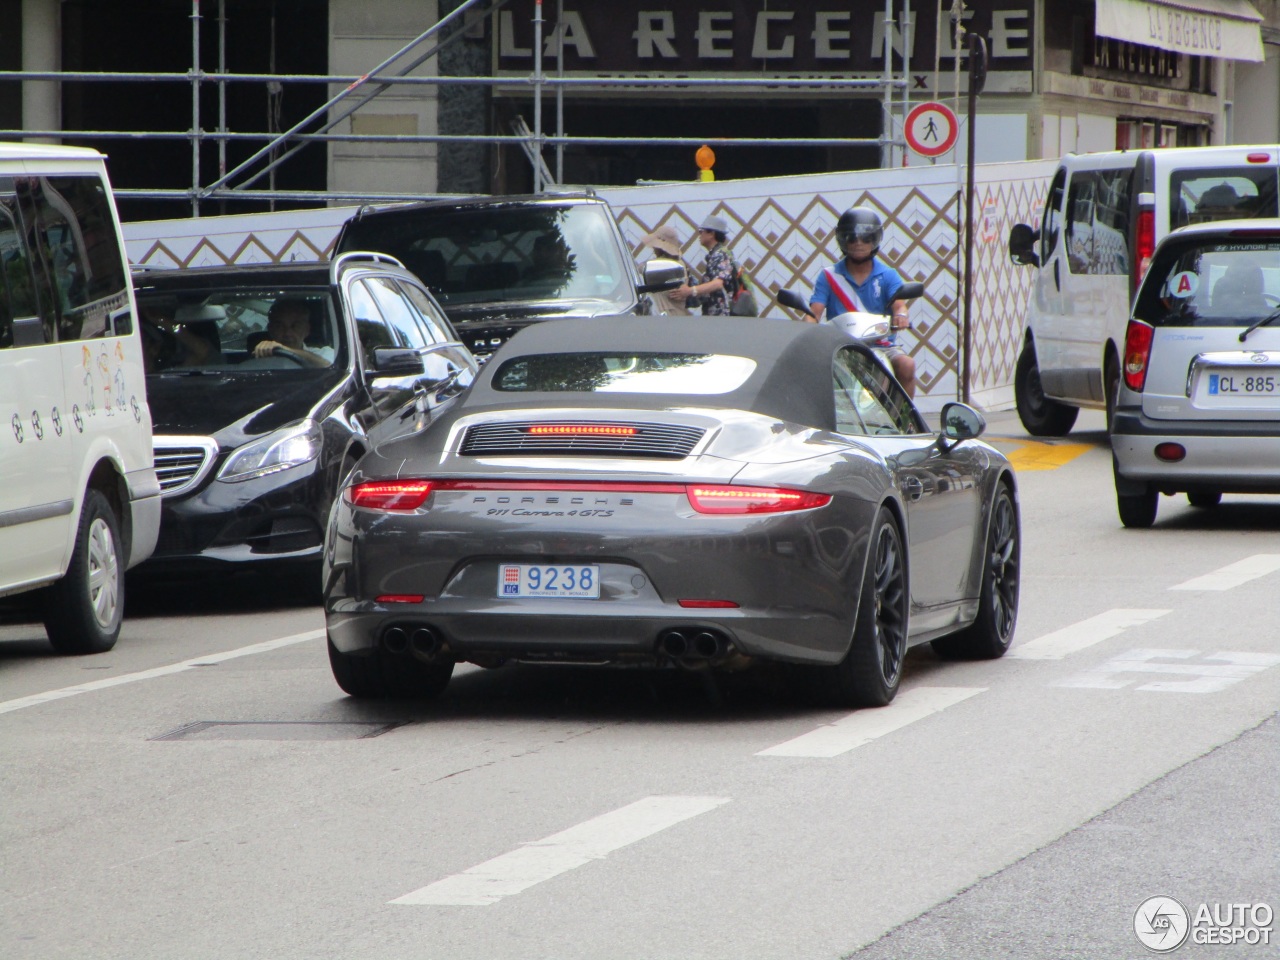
[912, 488]
[1057, 282]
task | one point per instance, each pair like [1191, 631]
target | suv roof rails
[343, 259]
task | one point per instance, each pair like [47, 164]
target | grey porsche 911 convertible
[663, 492]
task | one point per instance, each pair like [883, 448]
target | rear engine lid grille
[575, 438]
[182, 463]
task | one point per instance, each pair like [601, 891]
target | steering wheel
[282, 352]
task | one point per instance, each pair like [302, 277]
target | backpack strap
[844, 292]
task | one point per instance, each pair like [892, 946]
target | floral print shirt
[719, 263]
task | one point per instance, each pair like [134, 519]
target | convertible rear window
[685, 373]
[1213, 283]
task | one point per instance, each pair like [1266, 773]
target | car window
[371, 328]
[661, 373]
[868, 401]
[543, 251]
[1211, 283]
[1111, 223]
[1052, 214]
[17, 290]
[231, 329]
[429, 314]
[398, 312]
[1081, 195]
[1226, 193]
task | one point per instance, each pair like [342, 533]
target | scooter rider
[862, 282]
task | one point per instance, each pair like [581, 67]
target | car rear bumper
[1231, 456]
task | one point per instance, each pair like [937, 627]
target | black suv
[266, 384]
[497, 264]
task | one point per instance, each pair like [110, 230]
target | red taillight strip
[405, 495]
[707, 604]
[571, 430]
[389, 494]
[568, 486]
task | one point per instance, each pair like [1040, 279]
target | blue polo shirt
[876, 294]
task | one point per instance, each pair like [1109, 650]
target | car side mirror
[658, 275]
[1022, 245]
[397, 362]
[961, 422]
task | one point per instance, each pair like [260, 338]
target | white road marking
[1232, 575]
[864, 726]
[1078, 636]
[8, 706]
[1209, 674]
[559, 853]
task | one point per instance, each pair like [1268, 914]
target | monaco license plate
[1243, 383]
[575, 580]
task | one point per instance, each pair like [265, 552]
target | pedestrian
[665, 245]
[860, 281]
[715, 289]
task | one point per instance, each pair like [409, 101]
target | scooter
[866, 328]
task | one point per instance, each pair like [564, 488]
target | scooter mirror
[909, 291]
[789, 298]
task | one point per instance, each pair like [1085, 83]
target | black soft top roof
[792, 379]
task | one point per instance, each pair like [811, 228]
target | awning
[1227, 29]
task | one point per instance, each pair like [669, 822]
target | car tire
[1041, 416]
[990, 634]
[871, 671]
[377, 676]
[1204, 499]
[1111, 388]
[83, 610]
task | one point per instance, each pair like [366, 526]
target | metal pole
[222, 91]
[977, 54]
[537, 95]
[560, 89]
[886, 135]
[908, 37]
[195, 108]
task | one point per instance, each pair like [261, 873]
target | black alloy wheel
[991, 632]
[1041, 416]
[871, 671]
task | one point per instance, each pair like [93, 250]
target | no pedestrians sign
[931, 129]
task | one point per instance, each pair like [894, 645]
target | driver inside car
[288, 326]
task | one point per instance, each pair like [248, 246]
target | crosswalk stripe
[1234, 574]
[1078, 636]
[559, 853]
[209, 659]
[862, 727]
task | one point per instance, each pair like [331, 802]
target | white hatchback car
[1198, 410]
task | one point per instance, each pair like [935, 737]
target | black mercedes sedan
[267, 383]
[705, 496]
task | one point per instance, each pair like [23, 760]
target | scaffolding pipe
[537, 98]
[195, 103]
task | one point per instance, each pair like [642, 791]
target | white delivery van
[79, 500]
[1103, 215]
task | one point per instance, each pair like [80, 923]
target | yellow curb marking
[1038, 455]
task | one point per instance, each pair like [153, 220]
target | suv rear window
[1230, 193]
[695, 374]
[1212, 283]
[477, 255]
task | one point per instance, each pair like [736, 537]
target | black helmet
[860, 223]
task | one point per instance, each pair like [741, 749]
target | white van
[1103, 215]
[79, 499]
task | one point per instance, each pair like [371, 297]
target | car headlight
[285, 448]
